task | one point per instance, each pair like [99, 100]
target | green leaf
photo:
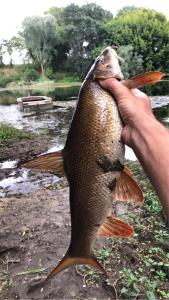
[151, 296]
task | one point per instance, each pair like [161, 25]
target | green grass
[9, 133]
[41, 84]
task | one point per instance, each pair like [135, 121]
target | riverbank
[38, 235]
[40, 85]
[17, 144]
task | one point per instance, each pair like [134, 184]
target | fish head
[106, 65]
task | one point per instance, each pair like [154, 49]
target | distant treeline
[67, 40]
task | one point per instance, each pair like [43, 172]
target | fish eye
[101, 61]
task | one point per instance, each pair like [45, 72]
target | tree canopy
[68, 39]
[148, 33]
[82, 29]
[40, 36]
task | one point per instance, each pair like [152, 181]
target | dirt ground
[35, 234]
[36, 228]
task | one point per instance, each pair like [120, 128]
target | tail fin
[47, 162]
[69, 261]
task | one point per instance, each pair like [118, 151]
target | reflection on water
[64, 93]
[60, 93]
[55, 123]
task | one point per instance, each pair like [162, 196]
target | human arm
[148, 138]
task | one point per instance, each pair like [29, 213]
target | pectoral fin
[47, 162]
[141, 80]
[69, 261]
[115, 227]
[126, 188]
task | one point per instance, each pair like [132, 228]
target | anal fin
[115, 227]
[47, 162]
[126, 188]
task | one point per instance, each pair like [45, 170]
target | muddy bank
[26, 149]
[19, 181]
[37, 237]
[34, 235]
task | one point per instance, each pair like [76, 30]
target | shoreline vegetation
[22, 77]
[10, 134]
[45, 84]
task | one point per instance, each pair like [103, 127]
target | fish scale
[92, 189]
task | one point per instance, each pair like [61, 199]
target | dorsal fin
[141, 80]
[126, 188]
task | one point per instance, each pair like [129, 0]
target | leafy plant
[152, 203]
[30, 75]
[8, 133]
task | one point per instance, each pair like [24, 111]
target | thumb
[117, 89]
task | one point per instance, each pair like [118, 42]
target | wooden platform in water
[35, 103]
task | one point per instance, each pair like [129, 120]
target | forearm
[150, 142]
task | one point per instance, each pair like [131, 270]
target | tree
[40, 37]
[82, 30]
[133, 63]
[1, 55]
[148, 33]
[15, 43]
[126, 9]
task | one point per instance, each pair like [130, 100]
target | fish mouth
[107, 64]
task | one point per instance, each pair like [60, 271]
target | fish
[93, 162]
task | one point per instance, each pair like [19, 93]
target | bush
[49, 73]
[66, 77]
[4, 81]
[30, 75]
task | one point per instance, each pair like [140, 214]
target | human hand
[144, 134]
[134, 107]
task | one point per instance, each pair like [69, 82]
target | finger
[142, 96]
[125, 135]
[139, 94]
[118, 90]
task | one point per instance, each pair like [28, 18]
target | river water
[55, 123]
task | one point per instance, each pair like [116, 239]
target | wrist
[151, 144]
[147, 134]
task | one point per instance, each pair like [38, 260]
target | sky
[13, 12]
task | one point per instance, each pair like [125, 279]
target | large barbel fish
[93, 162]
